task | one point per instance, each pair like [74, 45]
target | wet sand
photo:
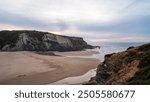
[31, 68]
[77, 80]
[77, 53]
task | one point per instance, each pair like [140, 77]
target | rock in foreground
[129, 67]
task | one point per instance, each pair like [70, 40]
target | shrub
[145, 47]
[145, 60]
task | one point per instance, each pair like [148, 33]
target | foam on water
[91, 73]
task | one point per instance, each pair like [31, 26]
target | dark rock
[130, 47]
[25, 40]
[128, 67]
[108, 55]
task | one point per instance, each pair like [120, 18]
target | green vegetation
[35, 41]
[145, 47]
[130, 47]
[145, 60]
[133, 56]
[142, 77]
[78, 42]
[7, 37]
[35, 34]
[108, 55]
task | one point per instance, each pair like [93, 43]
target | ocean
[104, 49]
[108, 48]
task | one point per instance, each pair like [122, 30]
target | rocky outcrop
[129, 67]
[39, 41]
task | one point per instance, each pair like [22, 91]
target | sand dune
[30, 68]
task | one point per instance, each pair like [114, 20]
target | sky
[96, 21]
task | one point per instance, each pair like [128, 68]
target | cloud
[130, 5]
[29, 22]
[132, 26]
[105, 20]
[16, 19]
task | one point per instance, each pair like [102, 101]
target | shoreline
[76, 80]
[28, 68]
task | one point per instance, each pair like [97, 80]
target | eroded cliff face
[35, 40]
[116, 69]
[129, 67]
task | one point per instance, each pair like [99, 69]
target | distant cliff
[39, 41]
[129, 67]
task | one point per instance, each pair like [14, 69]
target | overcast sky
[94, 20]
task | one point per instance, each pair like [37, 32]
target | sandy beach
[77, 53]
[30, 68]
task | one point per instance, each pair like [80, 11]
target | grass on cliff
[142, 77]
[7, 37]
[145, 47]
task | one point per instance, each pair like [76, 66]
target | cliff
[39, 41]
[129, 67]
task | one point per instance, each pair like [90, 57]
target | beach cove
[29, 68]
